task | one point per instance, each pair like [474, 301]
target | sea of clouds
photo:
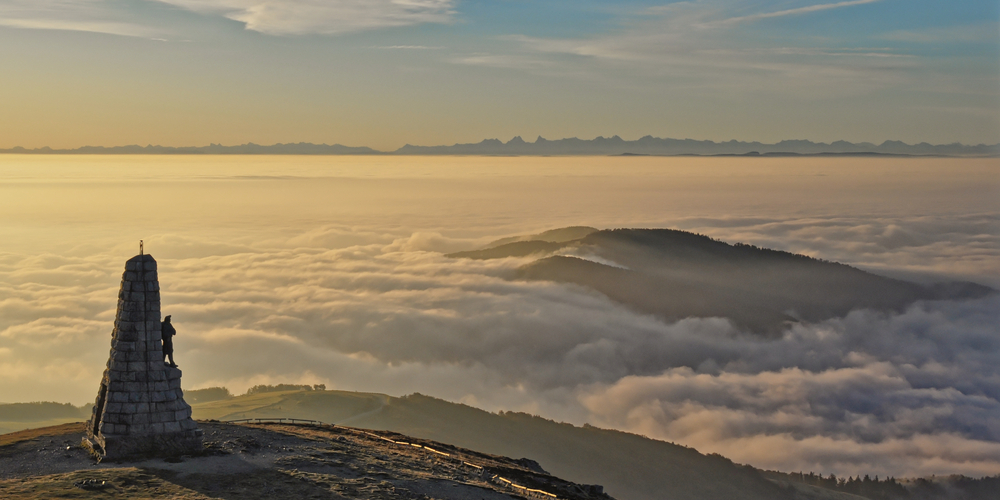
[380, 309]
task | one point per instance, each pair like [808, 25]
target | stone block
[133, 305]
[142, 408]
[148, 276]
[172, 426]
[111, 408]
[130, 276]
[119, 355]
[133, 265]
[158, 397]
[126, 286]
[136, 366]
[157, 428]
[138, 286]
[158, 375]
[149, 265]
[128, 335]
[116, 385]
[182, 414]
[189, 425]
[141, 418]
[153, 286]
[152, 305]
[140, 429]
[153, 323]
[162, 385]
[120, 345]
[134, 316]
[175, 383]
[126, 326]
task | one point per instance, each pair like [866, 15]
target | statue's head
[167, 319]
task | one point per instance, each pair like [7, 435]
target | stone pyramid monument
[140, 409]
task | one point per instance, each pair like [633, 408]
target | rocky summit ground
[275, 460]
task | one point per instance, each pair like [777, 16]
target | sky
[384, 73]
[331, 270]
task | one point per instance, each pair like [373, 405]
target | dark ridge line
[599, 146]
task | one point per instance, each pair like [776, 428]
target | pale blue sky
[384, 73]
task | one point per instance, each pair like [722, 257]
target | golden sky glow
[384, 73]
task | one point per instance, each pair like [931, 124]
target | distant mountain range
[600, 146]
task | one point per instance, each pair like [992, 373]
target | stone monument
[140, 409]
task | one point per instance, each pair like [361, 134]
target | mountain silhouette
[676, 274]
[603, 146]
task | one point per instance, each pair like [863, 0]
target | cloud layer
[911, 393]
[334, 273]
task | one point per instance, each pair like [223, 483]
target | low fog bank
[915, 392]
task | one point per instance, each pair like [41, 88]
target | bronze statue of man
[168, 332]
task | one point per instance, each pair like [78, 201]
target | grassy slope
[629, 466]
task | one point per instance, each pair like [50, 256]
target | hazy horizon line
[647, 145]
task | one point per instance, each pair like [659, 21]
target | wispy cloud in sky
[407, 47]
[714, 47]
[95, 16]
[823, 70]
[988, 32]
[796, 11]
[298, 17]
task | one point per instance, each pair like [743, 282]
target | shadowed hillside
[264, 461]
[675, 274]
[627, 465]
